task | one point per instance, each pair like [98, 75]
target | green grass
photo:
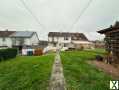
[81, 76]
[26, 73]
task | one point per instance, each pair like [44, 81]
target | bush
[8, 53]
[38, 52]
[82, 48]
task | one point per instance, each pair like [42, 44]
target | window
[65, 44]
[54, 44]
[65, 38]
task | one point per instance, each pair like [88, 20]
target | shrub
[8, 53]
[81, 48]
[38, 52]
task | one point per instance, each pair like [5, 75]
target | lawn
[26, 73]
[81, 76]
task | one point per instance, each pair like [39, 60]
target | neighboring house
[18, 38]
[112, 40]
[68, 40]
[98, 44]
[5, 40]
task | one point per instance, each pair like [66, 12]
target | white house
[18, 39]
[68, 40]
[5, 40]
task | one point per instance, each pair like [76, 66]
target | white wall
[60, 39]
[81, 42]
[68, 43]
[28, 41]
[17, 41]
[7, 42]
[34, 39]
[49, 39]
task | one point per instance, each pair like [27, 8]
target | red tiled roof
[74, 36]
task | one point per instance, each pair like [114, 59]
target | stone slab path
[57, 81]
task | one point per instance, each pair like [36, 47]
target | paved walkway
[57, 81]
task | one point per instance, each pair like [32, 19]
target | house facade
[18, 39]
[68, 40]
[112, 40]
[98, 44]
[5, 40]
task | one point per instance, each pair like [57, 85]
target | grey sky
[58, 15]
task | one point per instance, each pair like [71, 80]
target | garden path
[57, 81]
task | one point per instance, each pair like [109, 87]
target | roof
[6, 33]
[58, 34]
[23, 34]
[115, 27]
[74, 36]
[78, 36]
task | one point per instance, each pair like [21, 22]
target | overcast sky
[59, 15]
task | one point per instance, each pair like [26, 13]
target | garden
[26, 73]
[34, 72]
[80, 75]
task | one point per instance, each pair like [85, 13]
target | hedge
[8, 53]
